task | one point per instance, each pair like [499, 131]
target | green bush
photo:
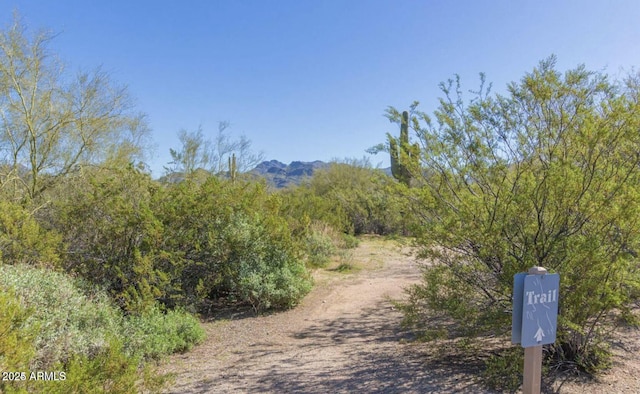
[155, 334]
[320, 244]
[22, 240]
[351, 197]
[349, 241]
[226, 242]
[503, 370]
[277, 281]
[303, 205]
[16, 340]
[111, 234]
[69, 321]
[36, 338]
[110, 370]
[77, 320]
[547, 175]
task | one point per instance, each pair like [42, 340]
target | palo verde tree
[546, 175]
[51, 122]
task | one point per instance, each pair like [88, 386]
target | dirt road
[344, 338]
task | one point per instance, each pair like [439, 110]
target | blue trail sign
[540, 309]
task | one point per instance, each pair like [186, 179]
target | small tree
[51, 122]
[546, 175]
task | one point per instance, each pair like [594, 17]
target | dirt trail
[344, 338]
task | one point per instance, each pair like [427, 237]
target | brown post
[532, 376]
[532, 370]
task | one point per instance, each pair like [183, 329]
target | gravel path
[345, 337]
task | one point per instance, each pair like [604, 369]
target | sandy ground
[346, 337]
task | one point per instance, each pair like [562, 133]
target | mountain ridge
[281, 175]
[277, 174]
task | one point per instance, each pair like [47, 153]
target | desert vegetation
[105, 270]
[545, 174]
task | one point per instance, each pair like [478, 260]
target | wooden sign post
[534, 321]
[532, 376]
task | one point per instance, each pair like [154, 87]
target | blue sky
[310, 79]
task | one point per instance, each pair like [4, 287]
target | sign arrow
[539, 334]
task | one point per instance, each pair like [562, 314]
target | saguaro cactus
[233, 168]
[403, 155]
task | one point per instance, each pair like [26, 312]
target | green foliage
[320, 244]
[109, 371]
[228, 242]
[22, 240]
[350, 197]
[547, 175]
[70, 322]
[52, 121]
[16, 341]
[51, 323]
[349, 241]
[155, 334]
[504, 370]
[77, 319]
[278, 281]
[184, 244]
[112, 235]
[302, 206]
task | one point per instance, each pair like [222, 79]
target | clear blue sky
[310, 79]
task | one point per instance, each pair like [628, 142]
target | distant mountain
[281, 175]
[277, 174]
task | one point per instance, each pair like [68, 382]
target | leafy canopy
[51, 122]
[547, 174]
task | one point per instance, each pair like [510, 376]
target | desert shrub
[503, 370]
[52, 323]
[64, 332]
[70, 322]
[320, 244]
[110, 370]
[16, 341]
[155, 334]
[302, 205]
[351, 197]
[349, 241]
[272, 278]
[111, 234]
[23, 240]
[226, 242]
[547, 175]
[77, 319]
